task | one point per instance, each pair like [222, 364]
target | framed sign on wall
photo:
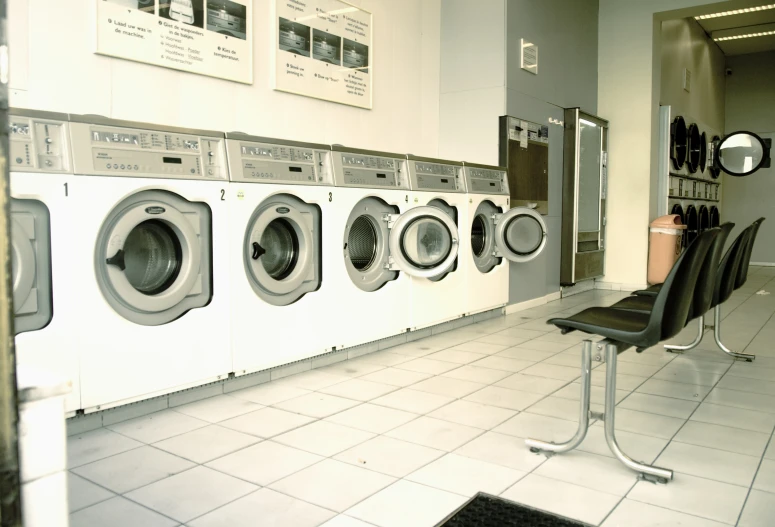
[208, 37]
[323, 49]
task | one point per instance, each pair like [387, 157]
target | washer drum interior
[365, 245]
[31, 265]
[153, 257]
[483, 247]
[282, 249]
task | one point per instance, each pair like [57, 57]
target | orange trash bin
[665, 235]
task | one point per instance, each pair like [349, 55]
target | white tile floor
[402, 437]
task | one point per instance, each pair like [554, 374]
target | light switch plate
[687, 80]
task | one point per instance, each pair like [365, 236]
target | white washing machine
[385, 241]
[440, 296]
[498, 235]
[281, 298]
[150, 258]
[42, 227]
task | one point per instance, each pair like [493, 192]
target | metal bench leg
[677, 348]
[717, 336]
[652, 473]
[536, 445]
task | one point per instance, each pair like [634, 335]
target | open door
[424, 242]
[520, 234]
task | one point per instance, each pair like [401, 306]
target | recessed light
[747, 35]
[736, 12]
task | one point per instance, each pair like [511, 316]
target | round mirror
[741, 153]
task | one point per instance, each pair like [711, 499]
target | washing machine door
[424, 242]
[694, 156]
[520, 234]
[678, 142]
[282, 249]
[692, 224]
[366, 244]
[715, 219]
[704, 219]
[153, 257]
[30, 265]
[482, 227]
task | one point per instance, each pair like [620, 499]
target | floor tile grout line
[510, 373]
[122, 495]
[753, 480]
[761, 459]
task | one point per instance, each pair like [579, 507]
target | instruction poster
[208, 37]
[324, 50]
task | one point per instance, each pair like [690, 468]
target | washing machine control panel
[369, 170]
[38, 145]
[481, 179]
[436, 175]
[284, 162]
[134, 152]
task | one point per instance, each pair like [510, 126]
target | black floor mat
[484, 510]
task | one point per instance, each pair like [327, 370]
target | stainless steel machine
[583, 197]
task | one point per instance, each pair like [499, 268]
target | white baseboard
[763, 264]
[580, 287]
[533, 302]
[613, 286]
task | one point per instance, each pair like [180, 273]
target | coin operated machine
[585, 162]
[524, 150]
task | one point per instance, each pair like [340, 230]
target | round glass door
[282, 250]
[280, 246]
[152, 257]
[524, 235]
[424, 242]
[520, 234]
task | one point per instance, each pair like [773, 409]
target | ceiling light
[736, 11]
[747, 35]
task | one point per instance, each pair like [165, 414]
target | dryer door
[282, 249]
[30, 264]
[520, 234]
[715, 219]
[153, 257]
[424, 242]
[483, 237]
[692, 221]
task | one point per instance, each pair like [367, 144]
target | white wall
[54, 68]
[686, 45]
[473, 79]
[750, 105]
[629, 82]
